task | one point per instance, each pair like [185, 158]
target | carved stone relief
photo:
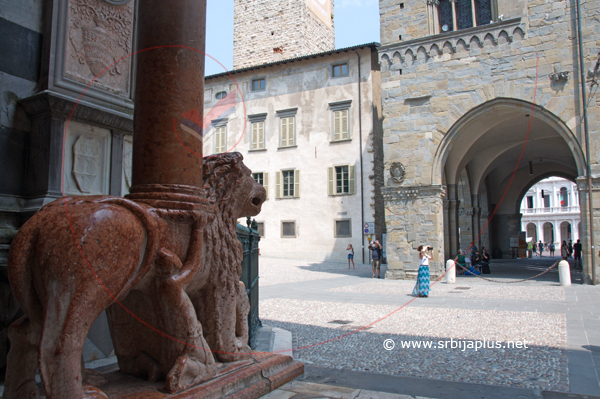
[397, 172]
[98, 35]
[86, 157]
[127, 159]
[87, 162]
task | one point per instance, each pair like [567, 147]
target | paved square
[340, 319]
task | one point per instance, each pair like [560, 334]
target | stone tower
[272, 30]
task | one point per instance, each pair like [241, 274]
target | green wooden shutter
[266, 183]
[254, 136]
[344, 133]
[261, 136]
[284, 132]
[352, 179]
[292, 131]
[296, 183]
[331, 181]
[277, 184]
[337, 125]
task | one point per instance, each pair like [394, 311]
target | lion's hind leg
[63, 337]
[22, 360]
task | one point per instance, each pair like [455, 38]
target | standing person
[570, 247]
[422, 286]
[564, 250]
[551, 248]
[375, 248]
[485, 262]
[529, 249]
[540, 247]
[534, 246]
[350, 255]
[577, 250]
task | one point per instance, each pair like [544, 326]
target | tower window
[463, 14]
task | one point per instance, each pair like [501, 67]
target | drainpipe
[587, 142]
[362, 190]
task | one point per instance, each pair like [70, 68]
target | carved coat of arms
[86, 160]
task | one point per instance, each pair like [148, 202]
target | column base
[247, 379]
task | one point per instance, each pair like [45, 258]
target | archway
[565, 232]
[531, 232]
[485, 146]
[548, 233]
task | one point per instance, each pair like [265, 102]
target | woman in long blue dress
[422, 286]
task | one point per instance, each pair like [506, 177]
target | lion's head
[229, 184]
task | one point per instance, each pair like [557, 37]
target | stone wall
[20, 55]
[430, 82]
[266, 31]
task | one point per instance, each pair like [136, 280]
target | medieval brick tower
[272, 30]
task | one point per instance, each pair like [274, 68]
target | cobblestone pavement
[341, 318]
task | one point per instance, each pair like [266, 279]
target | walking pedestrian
[350, 255]
[540, 247]
[551, 248]
[422, 286]
[375, 248]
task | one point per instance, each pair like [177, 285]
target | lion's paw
[90, 392]
[241, 351]
[186, 373]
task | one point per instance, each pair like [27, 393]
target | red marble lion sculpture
[69, 263]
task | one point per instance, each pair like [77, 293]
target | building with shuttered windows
[312, 141]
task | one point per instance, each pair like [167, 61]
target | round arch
[481, 118]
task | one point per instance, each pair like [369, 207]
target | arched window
[464, 14]
[564, 197]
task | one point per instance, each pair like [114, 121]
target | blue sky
[356, 22]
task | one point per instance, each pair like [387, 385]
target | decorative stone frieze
[434, 45]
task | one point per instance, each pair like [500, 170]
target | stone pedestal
[250, 378]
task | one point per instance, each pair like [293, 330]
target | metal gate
[249, 238]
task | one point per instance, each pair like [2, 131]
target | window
[564, 197]
[340, 70]
[462, 14]
[342, 180]
[220, 139]
[257, 131]
[221, 94]
[530, 202]
[340, 126]
[343, 228]
[260, 228]
[258, 136]
[287, 184]
[259, 84]
[288, 229]
[262, 178]
[287, 127]
[547, 201]
[288, 138]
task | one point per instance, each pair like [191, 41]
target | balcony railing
[554, 209]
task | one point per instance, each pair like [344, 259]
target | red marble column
[167, 160]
